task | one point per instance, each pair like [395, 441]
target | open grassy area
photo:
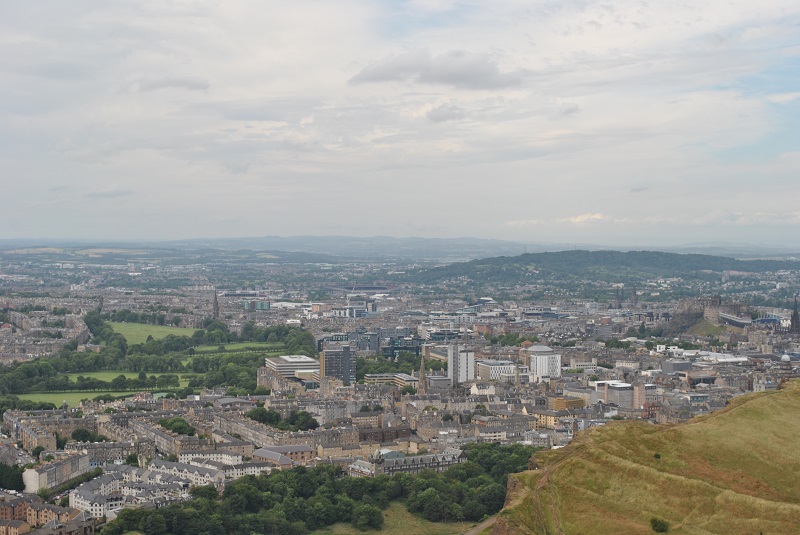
[110, 375]
[704, 328]
[137, 333]
[731, 472]
[72, 398]
[242, 345]
[398, 521]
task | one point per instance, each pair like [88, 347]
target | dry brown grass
[735, 471]
[398, 521]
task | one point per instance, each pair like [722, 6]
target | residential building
[460, 365]
[53, 474]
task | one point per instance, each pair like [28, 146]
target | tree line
[236, 370]
[300, 500]
[405, 362]
[297, 420]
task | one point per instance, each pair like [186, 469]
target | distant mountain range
[393, 248]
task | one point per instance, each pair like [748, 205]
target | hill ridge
[733, 471]
[609, 265]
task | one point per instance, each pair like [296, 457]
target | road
[489, 522]
[10, 455]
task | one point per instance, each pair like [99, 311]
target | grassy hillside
[611, 266]
[732, 472]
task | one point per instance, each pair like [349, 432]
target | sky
[629, 122]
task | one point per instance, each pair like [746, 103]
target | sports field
[275, 346]
[110, 375]
[137, 333]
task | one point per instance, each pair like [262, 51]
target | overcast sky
[652, 122]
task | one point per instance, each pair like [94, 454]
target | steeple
[795, 324]
[422, 387]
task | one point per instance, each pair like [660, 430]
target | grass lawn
[72, 398]
[398, 521]
[243, 345]
[137, 333]
[704, 328]
[110, 375]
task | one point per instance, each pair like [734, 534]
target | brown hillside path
[489, 522]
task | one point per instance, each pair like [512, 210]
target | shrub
[659, 525]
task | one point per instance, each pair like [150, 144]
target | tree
[11, 477]
[208, 492]
[36, 451]
[367, 517]
[177, 425]
[153, 524]
[82, 435]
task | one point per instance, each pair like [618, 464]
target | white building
[220, 456]
[460, 365]
[544, 363]
[289, 365]
[501, 370]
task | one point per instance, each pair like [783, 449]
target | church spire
[422, 386]
[215, 310]
[795, 324]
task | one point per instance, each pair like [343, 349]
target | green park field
[110, 375]
[72, 398]
[238, 346]
[137, 333]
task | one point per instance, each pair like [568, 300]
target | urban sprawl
[233, 379]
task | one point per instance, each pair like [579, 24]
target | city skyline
[572, 122]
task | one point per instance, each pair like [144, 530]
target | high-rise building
[544, 363]
[460, 365]
[339, 362]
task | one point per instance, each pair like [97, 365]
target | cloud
[542, 113]
[746, 219]
[457, 68]
[154, 84]
[584, 218]
[523, 222]
[445, 112]
[783, 98]
[110, 193]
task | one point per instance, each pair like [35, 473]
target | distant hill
[384, 247]
[118, 254]
[395, 248]
[732, 472]
[612, 266]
